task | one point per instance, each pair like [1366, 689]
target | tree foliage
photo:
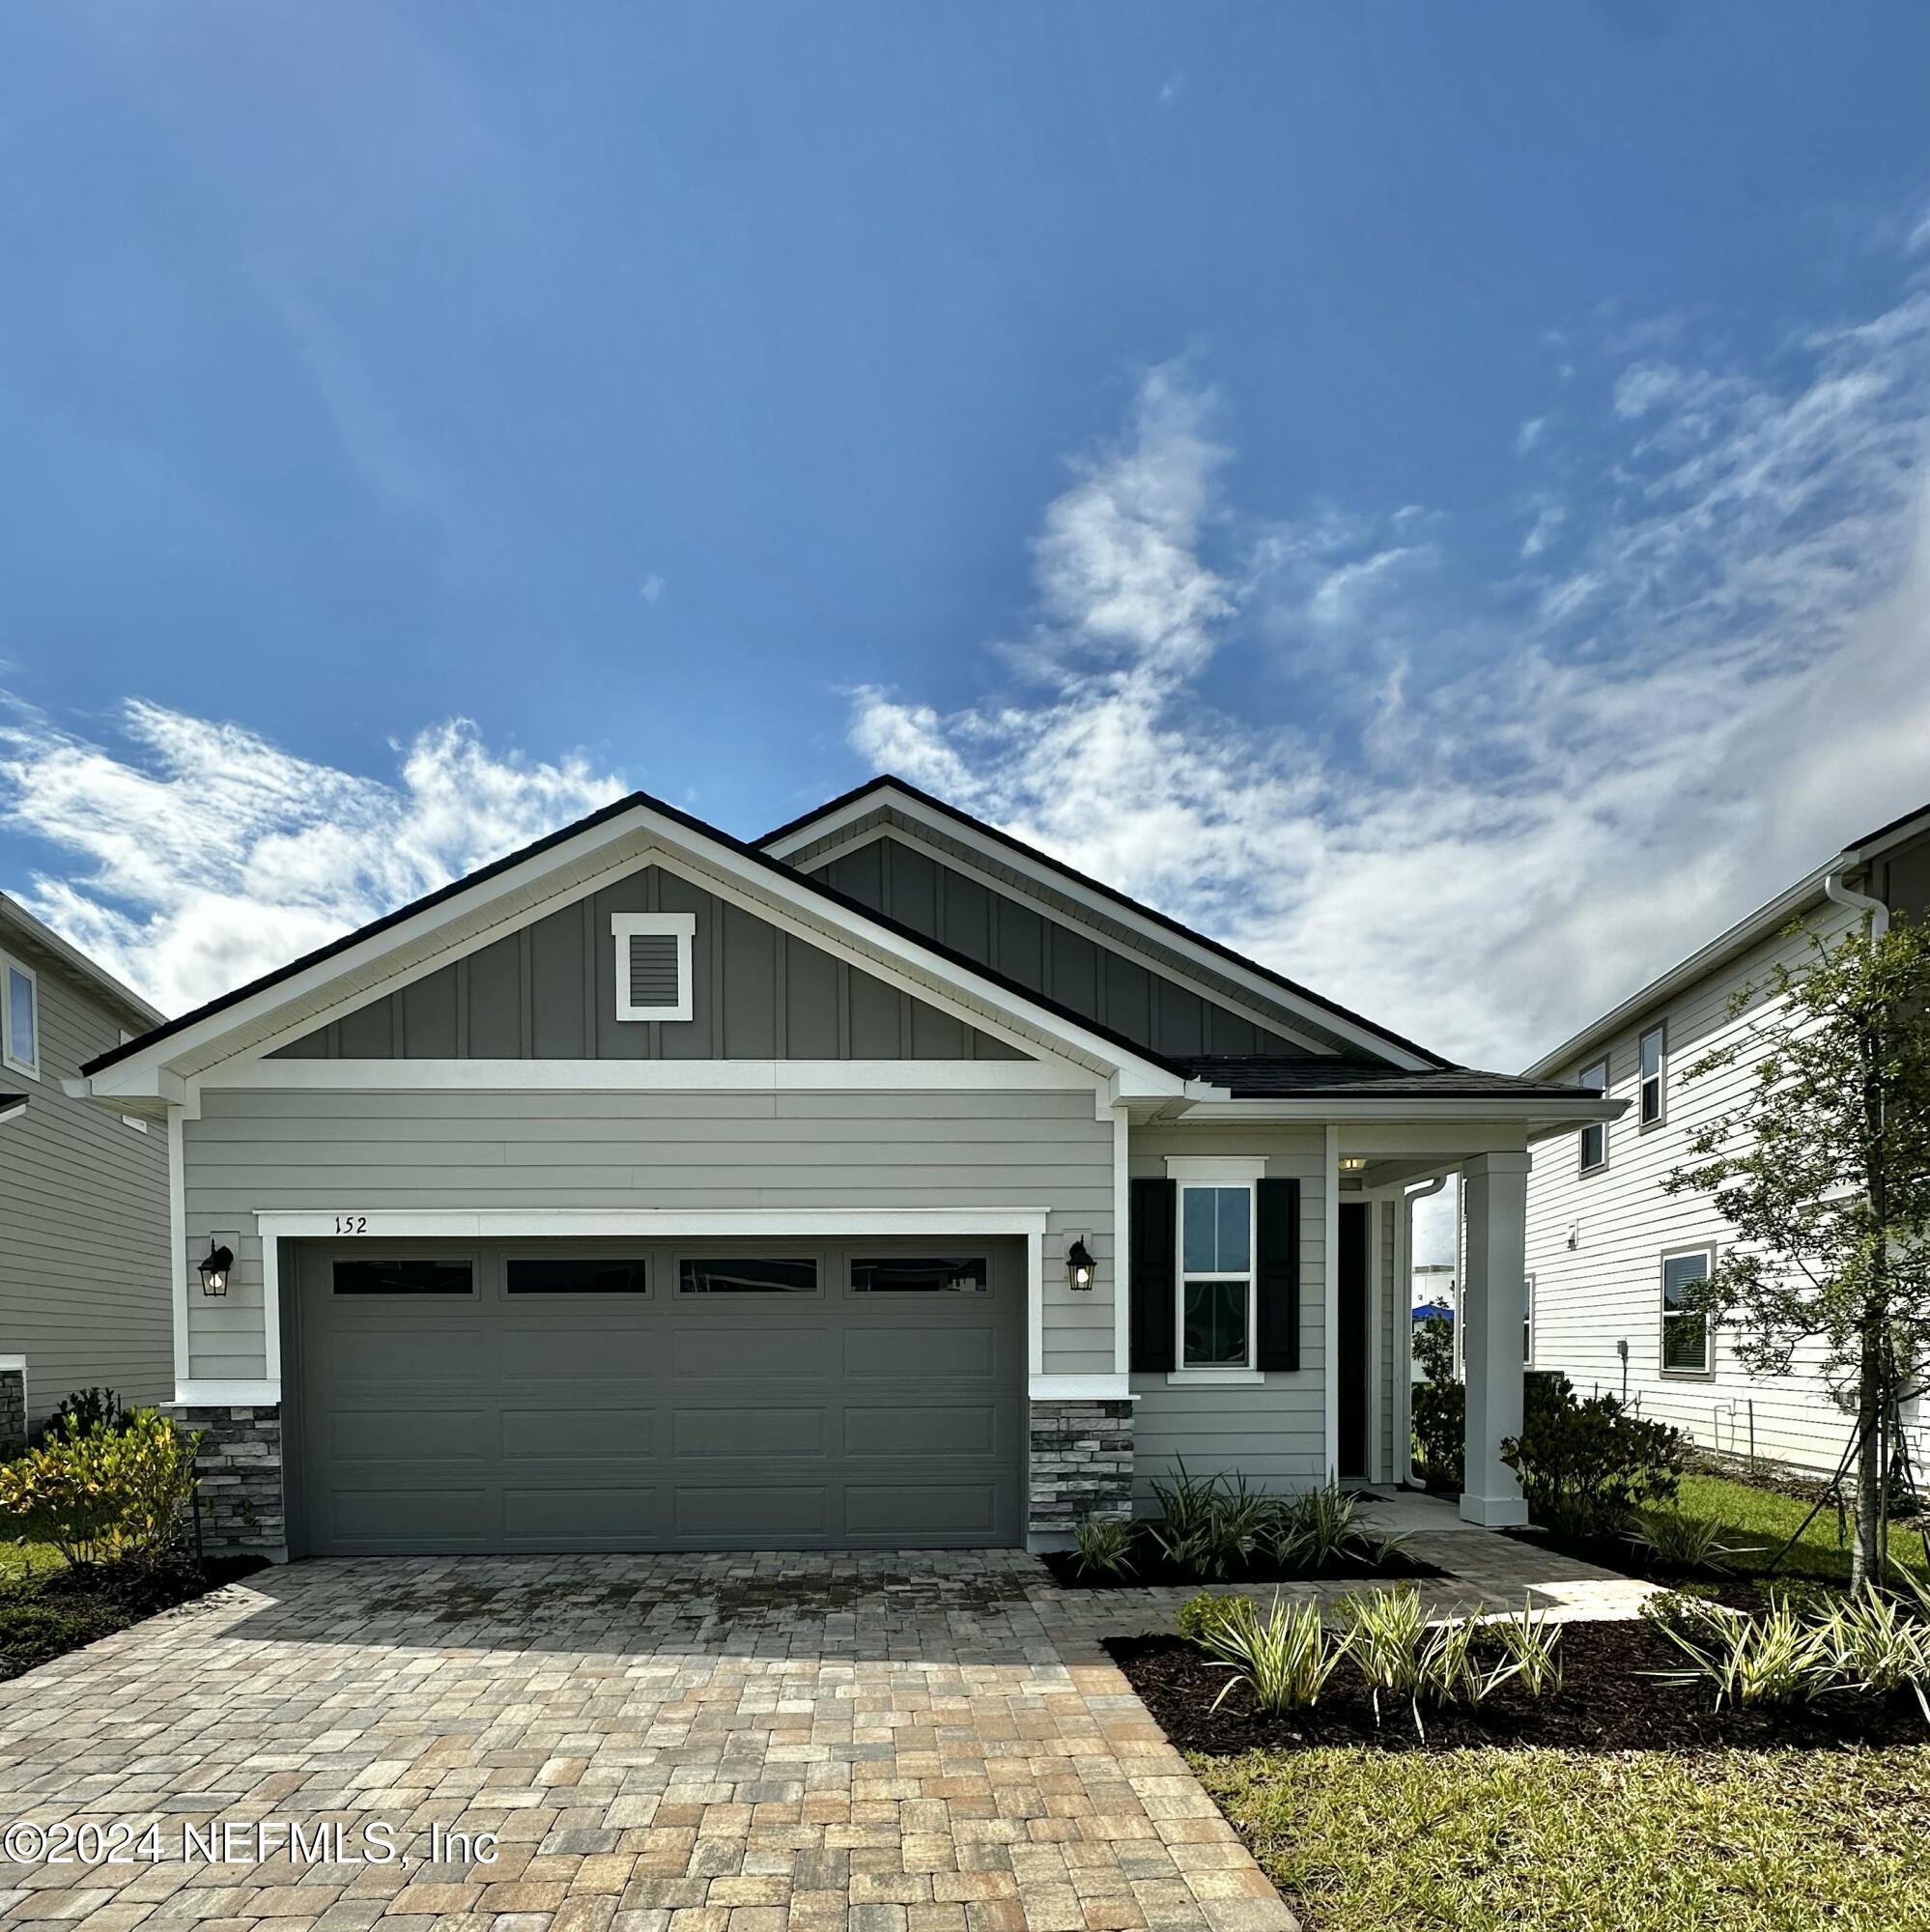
[1821, 1166]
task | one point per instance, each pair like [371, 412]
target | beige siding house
[882, 1182]
[1609, 1251]
[83, 1191]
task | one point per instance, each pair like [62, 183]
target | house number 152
[351, 1224]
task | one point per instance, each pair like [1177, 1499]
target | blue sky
[1432, 493]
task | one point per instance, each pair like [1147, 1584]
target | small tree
[1823, 1167]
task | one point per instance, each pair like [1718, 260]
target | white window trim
[1215, 1172]
[1658, 1032]
[627, 926]
[26, 1069]
[1582, 1139]
[1707, 1371]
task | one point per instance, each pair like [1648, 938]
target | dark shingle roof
[1254, 1076]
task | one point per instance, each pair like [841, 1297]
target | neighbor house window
[748, 1277]
[410, 1276]
[1649, 1105]
[1595, 1136]
[1217, 1276]
[653, 964]
[1684, 1329]
[574, 1274]
[1528, 1321]
[924, 1274]
[20, 1019]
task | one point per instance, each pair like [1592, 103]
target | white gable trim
[1099, 904]
[637, 838]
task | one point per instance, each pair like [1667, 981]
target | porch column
[1495, 1202]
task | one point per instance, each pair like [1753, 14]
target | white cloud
[1725, 683]
[651, 590]
[207, 855]
[1529, 434]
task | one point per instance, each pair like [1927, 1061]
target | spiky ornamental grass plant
[1823, 1168]
[1284, 1657]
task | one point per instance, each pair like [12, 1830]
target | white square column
[1493, 1311]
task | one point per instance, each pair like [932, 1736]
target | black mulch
[1151, 1568]
[45, 1616]
[1606, 1704]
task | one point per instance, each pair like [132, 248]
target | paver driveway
[872, 1743]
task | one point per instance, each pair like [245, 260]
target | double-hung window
[1685, 1328]
[20, 1019]
[1595, 1136]
[1650, 1105]
[1215, 1312]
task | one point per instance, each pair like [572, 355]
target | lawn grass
[1647, 1841]
[1764, 1520]
[20, 1559]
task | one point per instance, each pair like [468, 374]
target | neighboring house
[83, 1192]
[882, 1183]
[1611, 1254]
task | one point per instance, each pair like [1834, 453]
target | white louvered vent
[653, 964]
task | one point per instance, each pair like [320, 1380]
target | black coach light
[1079, 1266]
[215, 1265]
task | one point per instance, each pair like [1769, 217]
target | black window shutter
[1277, 1282]
[1152, 1208]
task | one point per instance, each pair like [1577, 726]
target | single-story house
[83, 1191]
[883, 1182]
[1612, 1255]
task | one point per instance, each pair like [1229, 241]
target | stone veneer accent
[1081, 1464]
[240, 1505]
[13, 1413]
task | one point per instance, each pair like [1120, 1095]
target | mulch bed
[1150, 1571]
[45, 1616]
[1606, 1704]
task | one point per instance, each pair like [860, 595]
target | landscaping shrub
[1103, 1545]
[1877, 1646]
[1382, 1631]
[1585, 1467]
[76, 1413]
[1282, 1659]
[1781, 1656]
[1672, 1541]
[1532, 1644]
[1200, 1613]
[1439, 1415]
[100, 1494]
[1310, 1531]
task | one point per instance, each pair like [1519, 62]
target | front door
[1350, 1340]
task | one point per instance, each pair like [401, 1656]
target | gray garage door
[613, 1395]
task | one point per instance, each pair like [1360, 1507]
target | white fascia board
[1099, 904]
[676, 1076]
[113, 1085]
[1080, 1388]
[478, 1223]
[1561, 1115]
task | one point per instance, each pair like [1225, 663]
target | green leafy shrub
[76, 1413]
[1440, 1418]
[100, 1494]
[1585, 1467]
[1672, 1541]
[1200, 1613]
[1688, 1607]
[1282, 1659]
[1433, 1348]
[1103, 1544]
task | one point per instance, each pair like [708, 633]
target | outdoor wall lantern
[1079, 1264]
[213, 1266]
[1352, 1163]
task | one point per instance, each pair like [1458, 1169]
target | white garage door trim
[278, 1224]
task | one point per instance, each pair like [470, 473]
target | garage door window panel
[409, 1275]
[919, 1274]
[571, 1274]
[721, 1274]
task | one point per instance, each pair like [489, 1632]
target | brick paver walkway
[870, 1743]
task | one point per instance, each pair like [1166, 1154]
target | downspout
[1403, 1381]
[1872, 909]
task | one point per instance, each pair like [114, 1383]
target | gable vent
[653, 964]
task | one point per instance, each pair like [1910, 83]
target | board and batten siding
[1607, 1289]
[84, 1289]
[362, 1150]
[548, 991]
[1272, 1432]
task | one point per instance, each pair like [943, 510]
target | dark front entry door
[1351, 1342]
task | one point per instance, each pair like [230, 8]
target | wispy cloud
[204, 855]
[1710, 677]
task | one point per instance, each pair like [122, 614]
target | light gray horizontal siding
[1606, 1288]
[548, 991]
[1272, 1432]
[364, 1151]
[83, 1222]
